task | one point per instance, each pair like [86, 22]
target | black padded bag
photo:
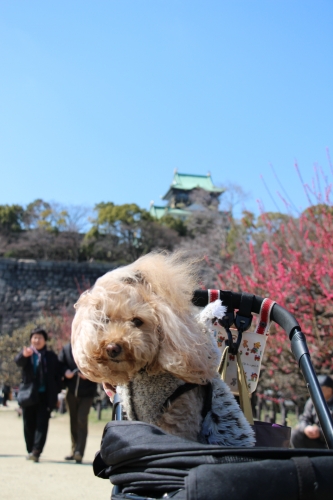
[295, 478]
[145, 462]
[27, 394]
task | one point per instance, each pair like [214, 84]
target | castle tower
[186, 194]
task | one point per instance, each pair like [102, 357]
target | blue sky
[101, 100]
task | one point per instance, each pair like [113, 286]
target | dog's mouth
[109, 389]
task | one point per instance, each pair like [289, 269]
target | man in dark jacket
[79, 398]
[40, 366]
[6, 394]
[308, 433]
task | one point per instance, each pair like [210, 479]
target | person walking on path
[6, 391]
[41, 367]
[79, 398]
[308, 433]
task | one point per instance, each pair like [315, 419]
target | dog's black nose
[113, 350]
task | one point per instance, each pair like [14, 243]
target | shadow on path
[48, 461]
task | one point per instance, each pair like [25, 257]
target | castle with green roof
[183, 196]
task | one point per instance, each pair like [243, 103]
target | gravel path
[52, 478]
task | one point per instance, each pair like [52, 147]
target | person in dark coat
[41, 366]
[79, 398]
[6, 391]
[308, 433]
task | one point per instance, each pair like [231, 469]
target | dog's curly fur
[139, 318]
[156, 289]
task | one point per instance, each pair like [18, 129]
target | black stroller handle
[298, 346]
[232, 300]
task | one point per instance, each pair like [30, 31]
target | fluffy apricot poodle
[136, 329]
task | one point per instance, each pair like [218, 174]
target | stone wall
[29, 287]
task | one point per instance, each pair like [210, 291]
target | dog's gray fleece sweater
[224, 424]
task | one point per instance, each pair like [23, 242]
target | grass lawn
[105, 416]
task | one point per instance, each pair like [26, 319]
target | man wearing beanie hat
[41, 368]
[308, 433]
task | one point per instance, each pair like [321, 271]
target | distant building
[188, 193]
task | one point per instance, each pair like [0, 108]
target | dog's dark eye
[137, 322]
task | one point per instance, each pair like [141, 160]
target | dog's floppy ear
[185, 350]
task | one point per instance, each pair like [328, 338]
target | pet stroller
[143, 462]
